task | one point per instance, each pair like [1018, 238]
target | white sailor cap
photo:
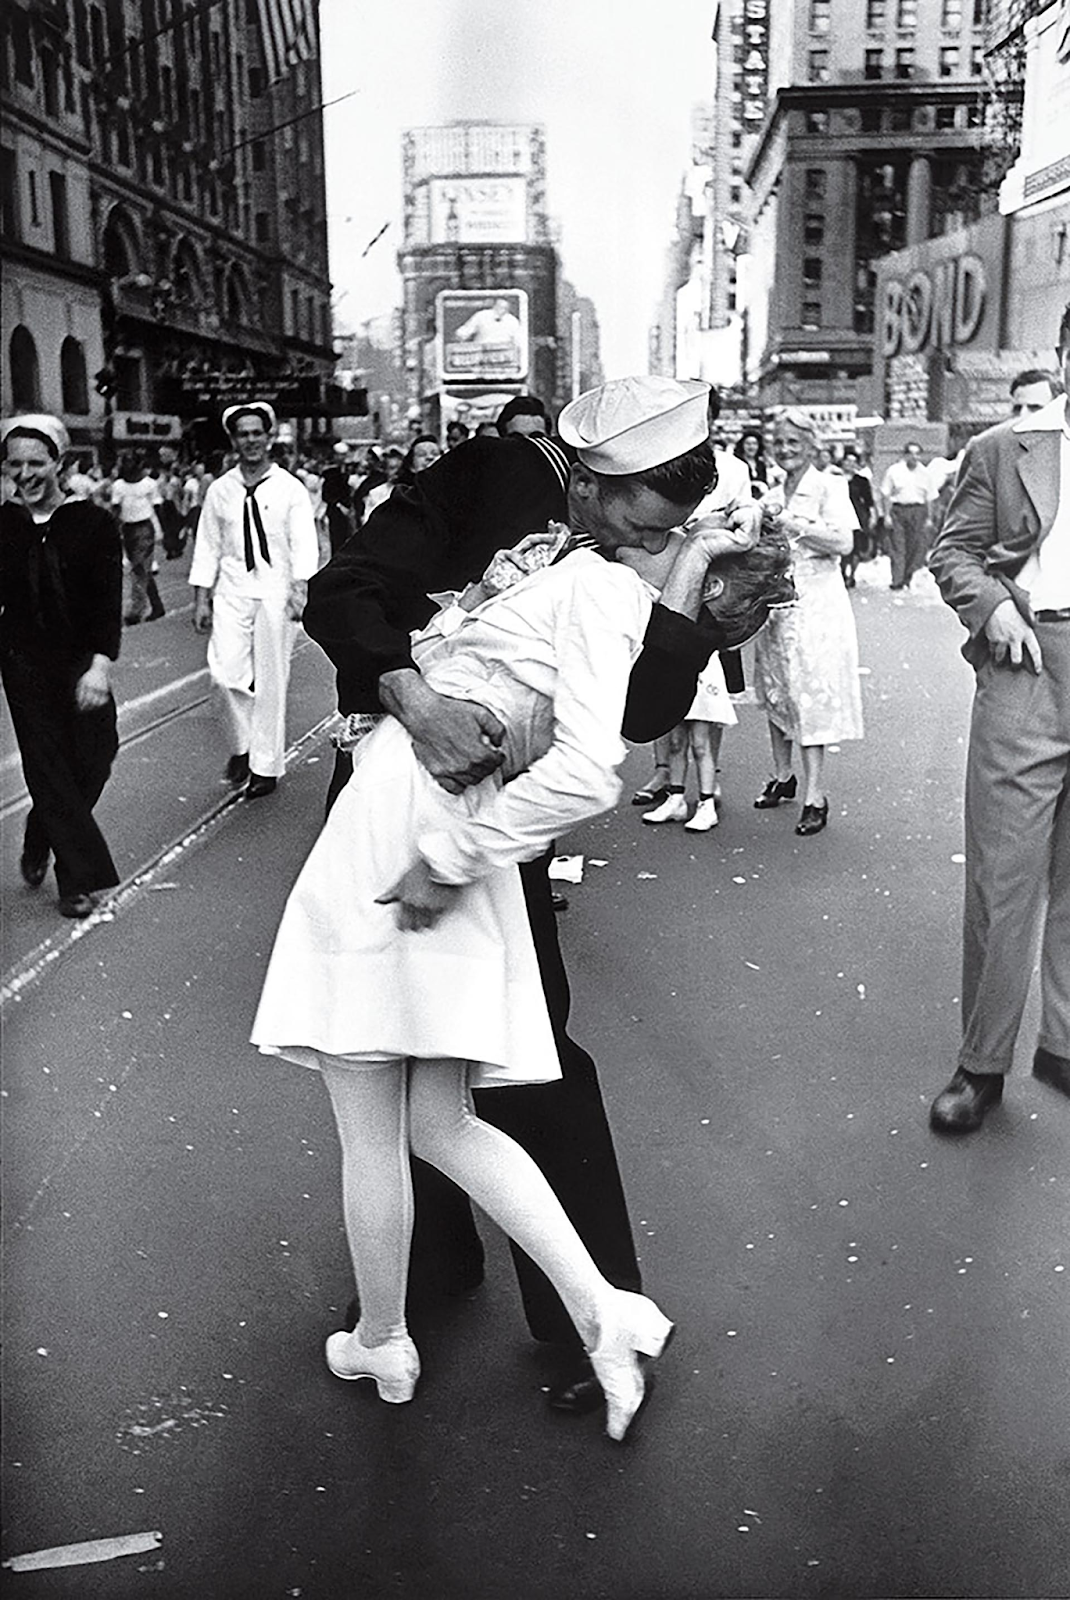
[43, 425]
[256, 408]
[631, 424]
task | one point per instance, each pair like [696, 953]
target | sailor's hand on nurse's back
[457, 741]
[419, 899]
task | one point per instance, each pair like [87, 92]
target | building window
[9, 194]
[945, 118]
[899, 119]
[817, 122]
[256, 83]
[61, 226]
[977, 61]
[949, 60]
[96, 35]
[980, 13]
[816, 183]
[167, 93]
[907, 14]
[262, 226]
[50, 84]
[259, 155]
[128, 383]
[75, 388]
[811, 313]
[122, 142]
[814, 228]
[876, 14]
[874, 64]
[819, 16]
[812, 272]
[81, 34]
[975, 115]
[904, 62]
[871, 119]
[25, 371]
[819, 65]
[35, 214]
[295, 312]
[951, 14]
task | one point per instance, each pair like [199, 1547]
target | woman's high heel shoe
[632, 1326]
[813, 819]
[395, 1366]
[776, 789]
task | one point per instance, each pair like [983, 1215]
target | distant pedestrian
[905, 495]
[1031, 390]
[390, 461]
[1003, 563]
[256, 550]
[806, 660]
[61, 586]
[422, 453]
[456, 433]
[135, 497]
[860, 490]
[750, 449]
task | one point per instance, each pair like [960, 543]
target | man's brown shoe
[1053, 1070]
[961, 1108]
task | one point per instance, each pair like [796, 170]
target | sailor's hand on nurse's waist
[460, 745]
[297, 599]
[456, 740]
[1012, 640]
[419, 899]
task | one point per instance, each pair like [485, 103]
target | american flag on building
[288, 31]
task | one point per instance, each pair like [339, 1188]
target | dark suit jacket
[1002, 508]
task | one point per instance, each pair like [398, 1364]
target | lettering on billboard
[478, 210]
[482, 333]
[934, 308]
[756, 61]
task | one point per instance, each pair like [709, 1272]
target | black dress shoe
[559, 901]
[33, 868]
[1053, 1070]
[576, 1390]
[813, 819]
[651, 796]
[775, 791]
[257, 786]
[76, 905]
[961, 1108]
[237, 770]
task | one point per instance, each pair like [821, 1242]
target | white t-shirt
[135, 502]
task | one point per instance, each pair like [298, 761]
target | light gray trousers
[1017, 856]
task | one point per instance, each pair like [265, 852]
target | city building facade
[164, 217]
[479, 273]
[872, 141]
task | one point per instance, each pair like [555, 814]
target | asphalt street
[869, 1392]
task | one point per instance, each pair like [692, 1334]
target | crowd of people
[502, 618]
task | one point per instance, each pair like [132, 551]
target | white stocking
[371, 1110]
[503, 1179]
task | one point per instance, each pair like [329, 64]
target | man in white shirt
[905, 496]
[134, 497]
[1003, 562]
[256, 550]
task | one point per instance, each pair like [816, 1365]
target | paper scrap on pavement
[81, 1555]
[567, 869]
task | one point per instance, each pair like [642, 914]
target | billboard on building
[478, 210]
[482, 334]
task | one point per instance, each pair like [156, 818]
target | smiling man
[255, 552]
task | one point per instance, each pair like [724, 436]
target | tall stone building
[873, 140]
[479, 271]
[164, 216]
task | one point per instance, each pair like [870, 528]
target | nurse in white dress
[404, 969]
[806, 660]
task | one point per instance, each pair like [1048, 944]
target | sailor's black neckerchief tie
[252, 507]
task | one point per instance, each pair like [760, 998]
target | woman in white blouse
[806, 660]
